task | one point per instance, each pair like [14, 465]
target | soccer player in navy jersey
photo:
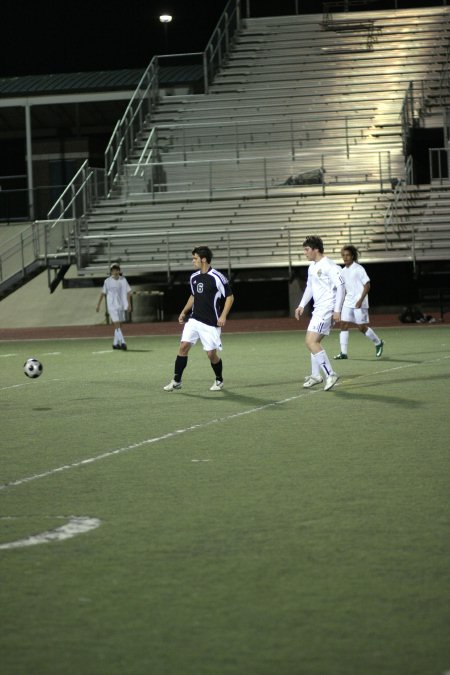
[206, 310]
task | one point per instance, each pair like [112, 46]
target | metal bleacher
[299, 133]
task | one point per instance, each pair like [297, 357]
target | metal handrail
[79, 195]
[123, 137]
[399, 194]
[227, 240]
[295, 136]
[268, 173]
[418, 92]
[146, 94]
[68, 190]
[219, 44]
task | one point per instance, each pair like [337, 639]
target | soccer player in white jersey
[356, 304]
[117, 292]
[206, 310]
[325, 286]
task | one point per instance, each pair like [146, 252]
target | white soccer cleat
[217, 386]
[172, 386]
[330, 382]
[312, 380]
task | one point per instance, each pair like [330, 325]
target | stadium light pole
[165, 19]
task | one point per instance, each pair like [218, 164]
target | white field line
[75, 525]
[195, 427]
[148, 441]
[28, 383]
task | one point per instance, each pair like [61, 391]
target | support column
[29, 147]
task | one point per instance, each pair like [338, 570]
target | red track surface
[173, 328]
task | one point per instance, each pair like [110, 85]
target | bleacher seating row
[297, 101]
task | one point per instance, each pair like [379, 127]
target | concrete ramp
[33, 305]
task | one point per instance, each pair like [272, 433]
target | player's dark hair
[352, 250]
[203, 252]
[314, 242]
[114, 266]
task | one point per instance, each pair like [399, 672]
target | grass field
[260, 530]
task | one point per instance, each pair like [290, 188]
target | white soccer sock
[119, 335]
[116, 336]
[343, 340]
[372, 336]
[315, 370]
[323, 362]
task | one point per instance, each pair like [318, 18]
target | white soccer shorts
[352, 315]
[321, 322]
[116, 315]
[209, 336]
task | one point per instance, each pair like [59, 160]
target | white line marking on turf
[76, 525]
[193, 427]
[104, 351]
[6, 356]
[28, 383]
[148, 441]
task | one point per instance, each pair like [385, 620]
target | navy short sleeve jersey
[209, 290]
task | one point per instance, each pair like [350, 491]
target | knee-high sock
[180, 365]
[372, 336]
[343, 341]
[315, 370]
[324, 363]
[217, 368]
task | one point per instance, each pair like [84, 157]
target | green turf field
[260, 530]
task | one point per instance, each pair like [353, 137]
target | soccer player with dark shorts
[207, 309]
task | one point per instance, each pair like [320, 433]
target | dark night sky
[52, 36]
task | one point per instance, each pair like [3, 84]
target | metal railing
[221, 40]
[242, 135]
[15, 200]
[53, 241]
[231, 246]
[421, 94]
[128, 127]
[40, 245]
[259, 176]
[146, 96]
[86, 187]
[397, 220]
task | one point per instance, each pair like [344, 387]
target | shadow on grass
[376, 398]
[137, 351]
[227, 395]
[387, 359]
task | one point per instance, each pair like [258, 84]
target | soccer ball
[32, 368]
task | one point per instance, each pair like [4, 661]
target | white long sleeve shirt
[325, 286]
